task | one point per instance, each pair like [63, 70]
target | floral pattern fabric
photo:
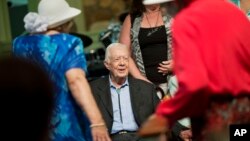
[222, 112]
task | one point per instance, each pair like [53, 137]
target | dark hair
[26, 100]
[182, 4]
[137, 8]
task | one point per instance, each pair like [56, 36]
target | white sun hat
[149, 2]
[57, 12]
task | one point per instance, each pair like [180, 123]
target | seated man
[124, 102]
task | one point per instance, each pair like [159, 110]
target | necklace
[153, 29]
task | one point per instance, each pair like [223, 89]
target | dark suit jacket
[143, 99]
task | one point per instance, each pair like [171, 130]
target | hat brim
[149, 2]
[72, 12]
[85, 39]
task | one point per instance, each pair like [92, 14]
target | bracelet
[96, 125]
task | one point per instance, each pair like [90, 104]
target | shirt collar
[113, 86]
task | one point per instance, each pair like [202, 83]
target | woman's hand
[100, 133]
[165, 67]
[82, 94]
[186, 135]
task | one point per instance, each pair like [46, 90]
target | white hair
[113, 45]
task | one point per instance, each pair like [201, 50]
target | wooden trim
[5, 32]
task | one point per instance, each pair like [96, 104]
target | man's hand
[100, 133]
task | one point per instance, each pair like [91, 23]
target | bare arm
[125, 39]
[82, 94]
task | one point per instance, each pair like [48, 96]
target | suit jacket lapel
[135, 97]
[105, 95]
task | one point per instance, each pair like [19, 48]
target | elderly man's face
[118, 62]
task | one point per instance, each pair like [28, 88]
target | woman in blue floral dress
[75, 115]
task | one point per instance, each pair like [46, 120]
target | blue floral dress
[57, 54]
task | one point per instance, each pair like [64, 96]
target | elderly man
[125, 102]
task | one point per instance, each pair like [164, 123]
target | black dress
[154, 50]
